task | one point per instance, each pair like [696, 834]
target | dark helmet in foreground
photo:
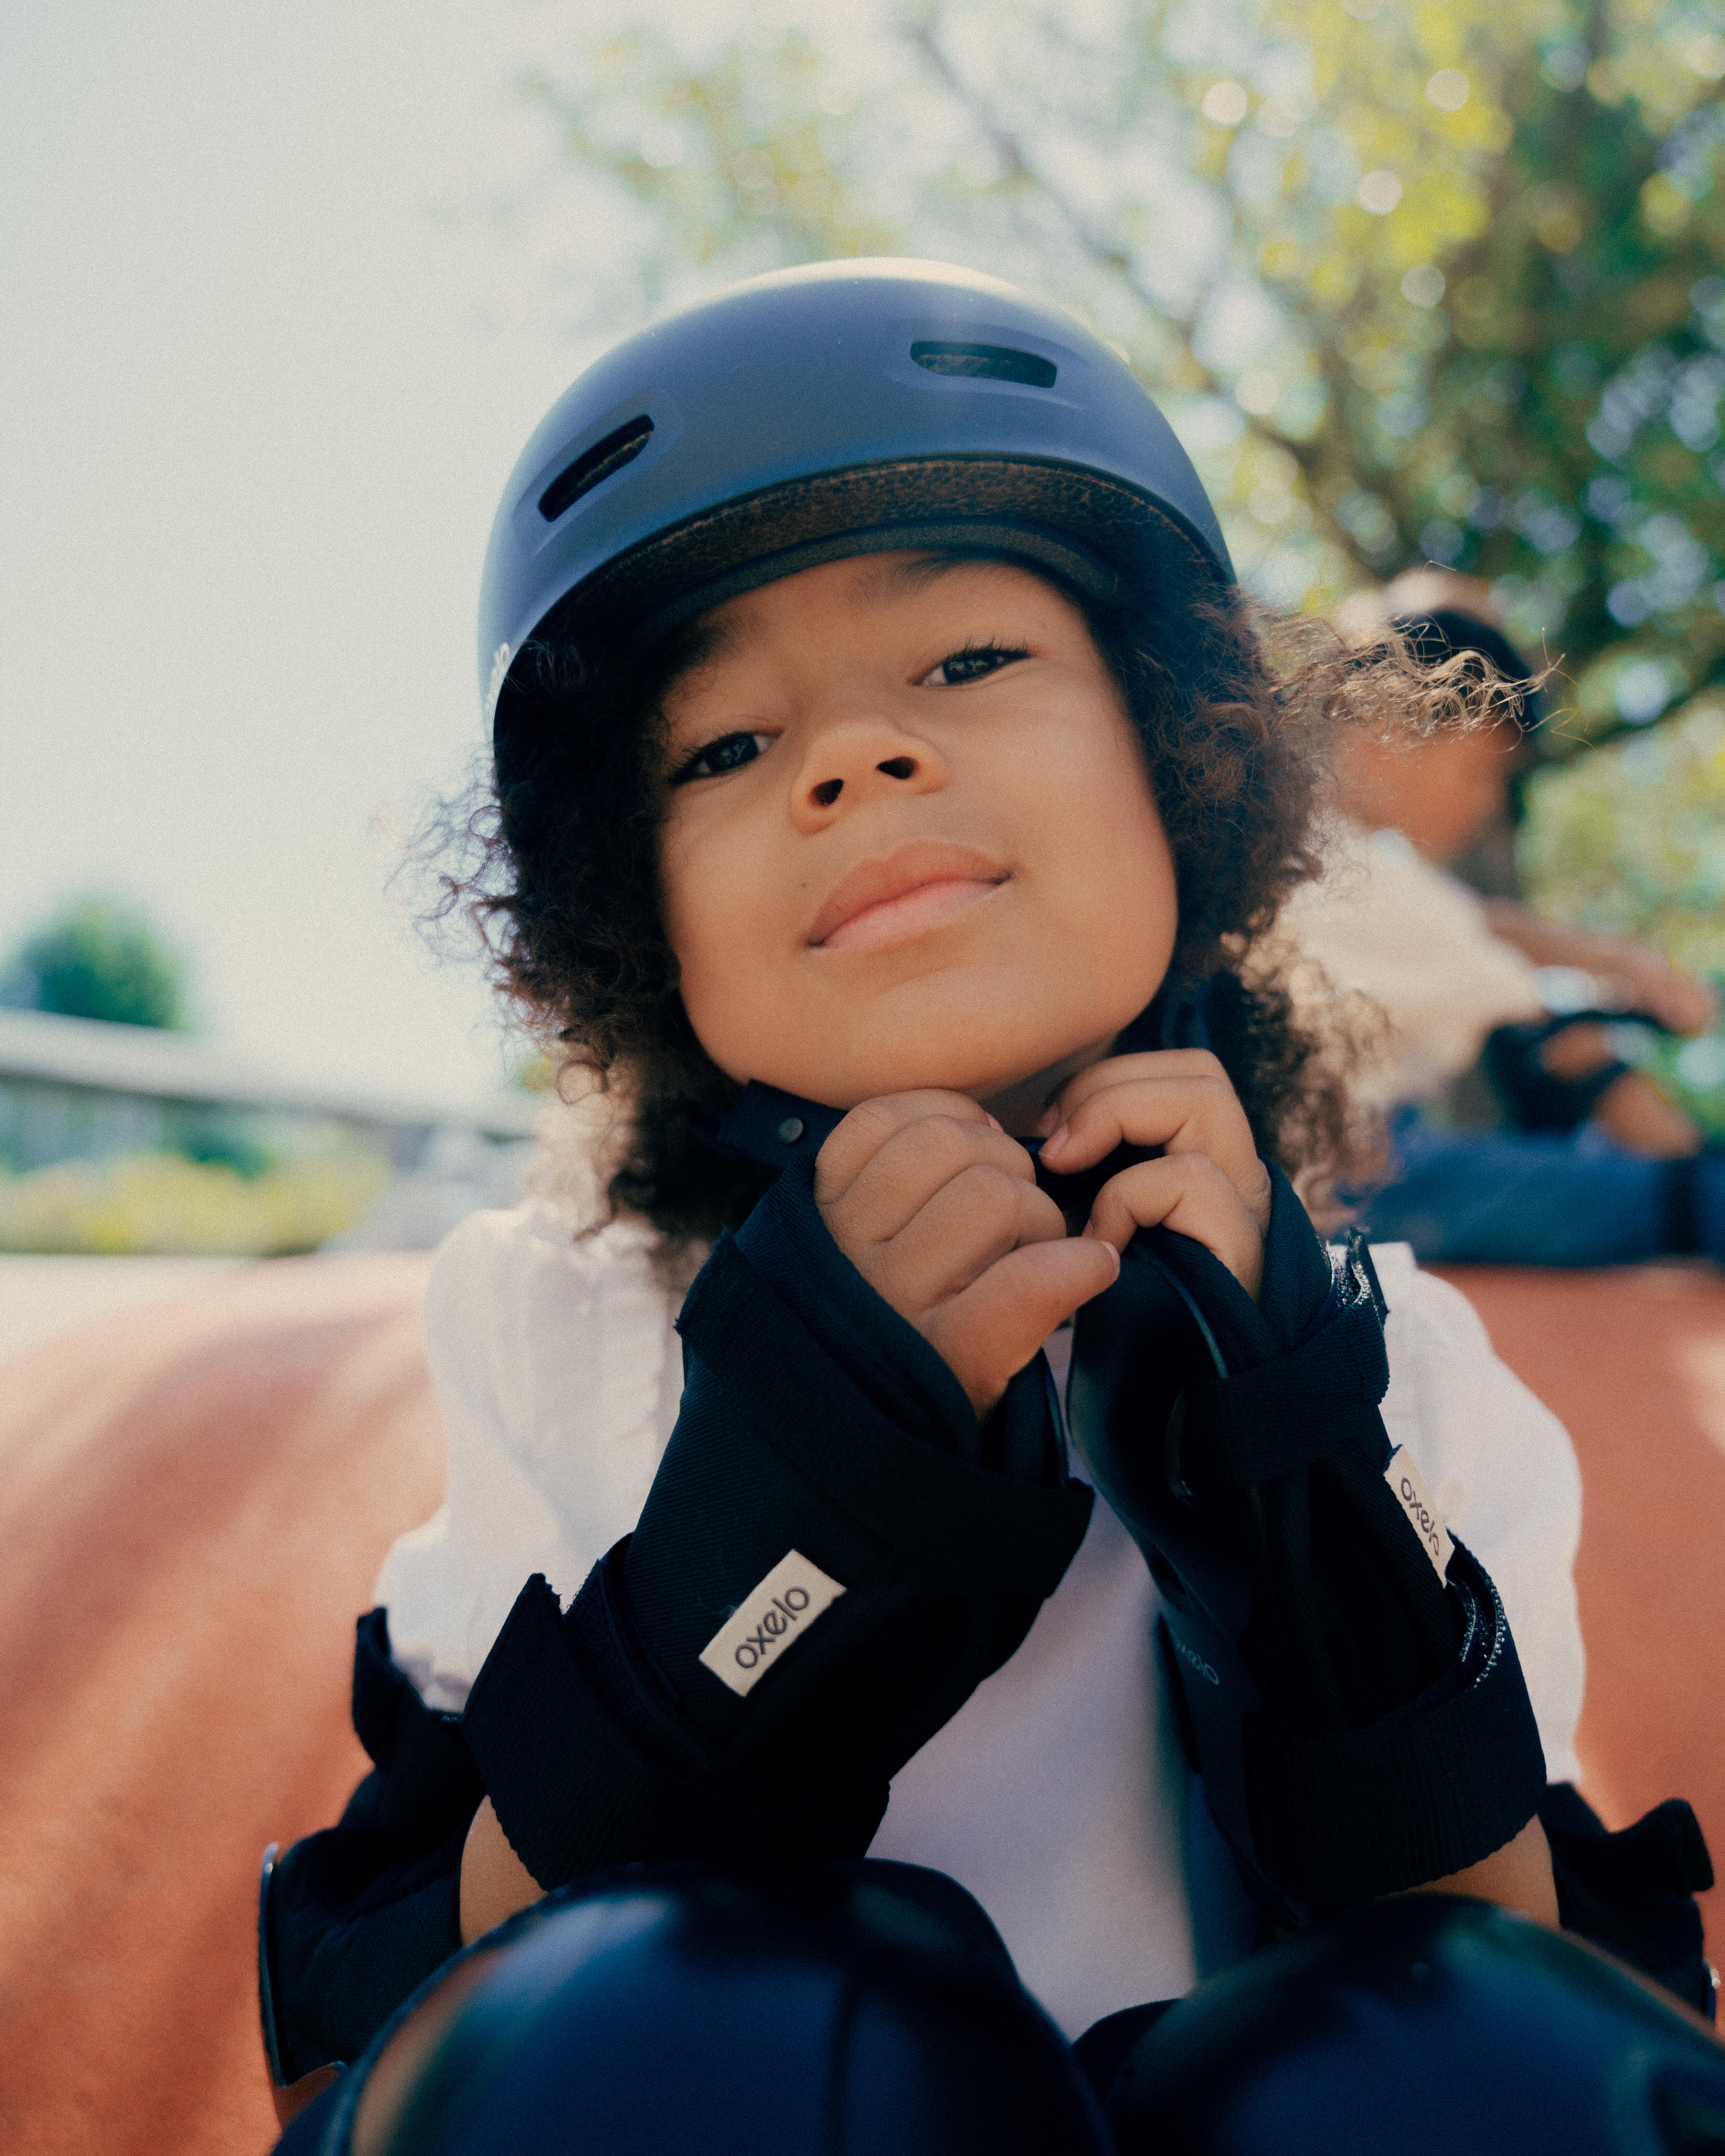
[845, 408]
[1422, 2025]
[871, 2010]
[695, 2010]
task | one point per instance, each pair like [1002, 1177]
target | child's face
[911, 839]
[1440, 793]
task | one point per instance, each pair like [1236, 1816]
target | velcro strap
[1664, 1853]
[954, 1525]
[1284, 1414]
[1417, 1797]
[1683, 1235]
[427, 1781]
[583, 1772]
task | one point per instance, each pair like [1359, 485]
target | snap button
[790, 1130]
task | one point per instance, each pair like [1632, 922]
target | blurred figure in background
[1587, 1164]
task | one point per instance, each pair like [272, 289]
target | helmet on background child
[842, 408]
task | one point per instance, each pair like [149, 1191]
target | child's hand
[1209, 1183]
[938, 1210]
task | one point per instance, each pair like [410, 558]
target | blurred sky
[260, 384]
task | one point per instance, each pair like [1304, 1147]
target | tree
[1430, 280]
[98, 959]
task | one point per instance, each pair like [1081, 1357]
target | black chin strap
[766, 1125]
[777, 1128]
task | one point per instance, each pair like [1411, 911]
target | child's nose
[846, 769]
[826, 791]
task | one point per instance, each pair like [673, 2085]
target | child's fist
[1209, 1183]
[938, 1210]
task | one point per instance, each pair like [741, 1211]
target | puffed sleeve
[559, 1371]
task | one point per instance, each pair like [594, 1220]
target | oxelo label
[1417, 1502]
[770, 1618]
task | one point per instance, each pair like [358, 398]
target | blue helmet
[1423, 2023]
[845, 408]
[740, 2010]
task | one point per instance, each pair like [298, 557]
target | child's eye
[729, 752]
[975, 663]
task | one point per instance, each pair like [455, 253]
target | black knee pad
[829, 2011]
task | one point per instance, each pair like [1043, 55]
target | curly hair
[565, 887]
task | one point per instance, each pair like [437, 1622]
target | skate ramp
[1634, 1362]
[195, 1498]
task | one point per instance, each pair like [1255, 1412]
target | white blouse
[1386, 923]
[1057, 1794]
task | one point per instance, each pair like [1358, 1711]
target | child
[888, 788]
[1601, 1169]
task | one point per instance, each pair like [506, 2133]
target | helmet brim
[1111, 543]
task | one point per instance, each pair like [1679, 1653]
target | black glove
[1536, 1099]
[1361, 1723]
[833, 1555]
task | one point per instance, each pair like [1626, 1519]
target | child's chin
[958, 1077]
[986, 1036]
[850, 1089]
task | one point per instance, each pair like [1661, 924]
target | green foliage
[534, 1073]
[159, 1203]
[1631, 840]
[1433, 279]
[98, 959]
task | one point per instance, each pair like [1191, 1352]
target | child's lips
[918, 884]
[929, 905]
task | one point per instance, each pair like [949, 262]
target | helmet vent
[620, 447]
[984, 362]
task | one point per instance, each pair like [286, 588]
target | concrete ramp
[194, 1500]
[1634, 1361]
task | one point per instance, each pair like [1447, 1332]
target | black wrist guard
[1359, 1719]
[1536, 1099]
[833, 1556]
